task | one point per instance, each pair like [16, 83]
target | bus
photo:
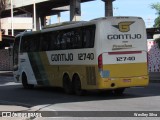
[107, 53]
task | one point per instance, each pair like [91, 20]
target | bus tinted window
[71, 39]
[75, 38]
[88, 37]
[45, 39]
[30, 43]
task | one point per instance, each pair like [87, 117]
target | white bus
[101, 54]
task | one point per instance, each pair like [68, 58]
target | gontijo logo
[124, 26]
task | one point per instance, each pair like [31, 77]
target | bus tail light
[147, 58]
[100, 62]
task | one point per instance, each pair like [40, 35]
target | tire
[119, 91]
[25, 83]
[67, 85]
[77, 86]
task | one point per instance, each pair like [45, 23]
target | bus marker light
[126, 80]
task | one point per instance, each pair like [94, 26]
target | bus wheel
[67, 85]
[77, 86]
[119, 91]
[25, 83]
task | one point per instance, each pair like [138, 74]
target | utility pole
[34, 18]
[12, 17]
[2, 7]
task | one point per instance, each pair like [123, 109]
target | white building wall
[20, 3]
[18, 23]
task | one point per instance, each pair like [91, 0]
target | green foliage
[156, 6]
[157, 22]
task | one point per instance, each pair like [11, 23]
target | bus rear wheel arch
[25, 82]
[77, 86]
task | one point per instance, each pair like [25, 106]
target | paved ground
[14, 98]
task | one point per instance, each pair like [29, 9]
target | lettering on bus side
[62, 57]
[85, 56]
[124, 36]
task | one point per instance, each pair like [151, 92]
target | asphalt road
[54, 99]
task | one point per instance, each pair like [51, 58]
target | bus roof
[58, 26]
[62, 24]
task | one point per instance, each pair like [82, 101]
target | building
[20, 15]
[39, 9]
[20, 24]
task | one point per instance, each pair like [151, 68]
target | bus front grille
[91, 75]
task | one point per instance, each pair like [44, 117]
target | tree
[156, 6]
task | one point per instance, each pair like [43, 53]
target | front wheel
[25, 83]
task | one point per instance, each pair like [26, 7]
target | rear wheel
[25, 83]
[119, 91]
[77, 86]
[67, 85]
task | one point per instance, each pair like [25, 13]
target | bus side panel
[51, 71]
[81, 62]
[52, 74]
[38, 68]
[27, 68]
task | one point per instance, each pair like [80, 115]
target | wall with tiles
[153, 56]
[5, 60]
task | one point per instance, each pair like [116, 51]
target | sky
[96, 9]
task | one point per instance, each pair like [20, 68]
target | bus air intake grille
[91, 75]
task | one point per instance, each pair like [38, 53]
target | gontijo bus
[101, 54]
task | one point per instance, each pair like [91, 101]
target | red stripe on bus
[124, 52]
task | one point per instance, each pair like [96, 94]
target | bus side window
[68, 37]
[88, 37]
[24, 44]
[45, 41]
[34, 43]
[52, 42]
[68, 40]
[58, 41]
[77, 42]
[63, 41]
[92, 31]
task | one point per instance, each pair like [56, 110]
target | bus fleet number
[126, 58]
[85, 56]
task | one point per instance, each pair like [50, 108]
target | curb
[6, 73]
